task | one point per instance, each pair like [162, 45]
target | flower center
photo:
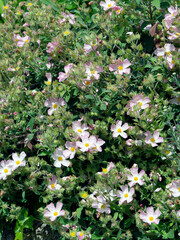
[84, 195]
[5, 170]
[118, 11]
[151, 218]
[177, 34]
[17, 162]
[5, 7]
[79, 130]
[16, 40]
[167, 152]
[87, 82]
[27, 41]
[173, 61]
[48, 83]
[140, 103]
[178, 99]
[72, 149]
[168, 53]
[29, 4]
[104, 170]
[152, 140]
[53, 185]
[103, 206]
[109, 5]
[179, 189]
[93, 72]
[120, 67]
[66, 32]
[126, 195]
[60, 158]
[55, 105]
[135, 178]
[81, 234]
[55, 213]
[73, 234]
[119, 130]
[86, 144]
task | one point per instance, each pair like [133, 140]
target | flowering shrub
[89, 105]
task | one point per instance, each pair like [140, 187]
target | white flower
[135, 177]
[98, 143]
[54, 104]
[119, 130]
[18, 160]
[106, 170]
[71, 149]
[5, 169]
[174, 187]
[87, 143]
[108, 4]
[79, 129]
[54, 212]
[101, 205]
[125, 194]
[153, 139]
[53, 185]
[59, 158]
[150, 216]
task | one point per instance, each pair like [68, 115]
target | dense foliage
[89, 113]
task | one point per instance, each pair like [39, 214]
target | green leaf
[1, 6]
[31, 123]
[53, 5]
[156, 3]
[79, 211]
[30, 136]
[103, 106]
[19, 236]
[155, 68]
[119, 234]
[116, 215]
[121, 30]
[89, 96]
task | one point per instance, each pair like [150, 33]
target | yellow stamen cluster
[140, 103]
[79, 130]
[72, 234]
[120, 67]
[151, 218]
[103, 206]
[60, 158]
[167, 152]
[109, 5]
[119, 130]
[86, 144]
[5, 7]
[66, 33]
[72, 149]
[17, 162]
[135, 178]
[104, 170]
[84, 195]
[53, 185]
[55, 105]
[152, 140]
[55, 213]
[126, 195]
[6, 170]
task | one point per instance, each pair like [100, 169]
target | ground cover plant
[89, 119]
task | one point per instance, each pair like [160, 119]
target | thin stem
[150, 10]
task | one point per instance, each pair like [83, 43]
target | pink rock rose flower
[135, 177]
[62, 75]
[54, 212]
[153, 139]
[119, 129]
[150, 216]
[125, 194]
[53, 104]
[120, 67]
